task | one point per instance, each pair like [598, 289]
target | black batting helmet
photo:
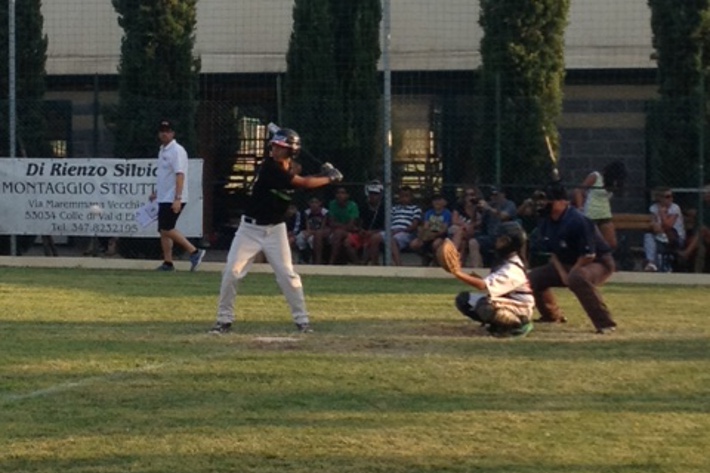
[287, 138]
[515, 238]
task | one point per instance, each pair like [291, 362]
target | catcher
[506, 308]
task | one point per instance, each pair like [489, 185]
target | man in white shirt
[171, 194]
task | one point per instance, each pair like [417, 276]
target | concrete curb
[685, 279]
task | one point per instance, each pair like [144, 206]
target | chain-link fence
[457, 118]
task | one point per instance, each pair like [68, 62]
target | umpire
[580, 259]
[263, 228]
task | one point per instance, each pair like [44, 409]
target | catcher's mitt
[449, 257]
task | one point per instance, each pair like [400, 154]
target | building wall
[251, 36]
[603, 123]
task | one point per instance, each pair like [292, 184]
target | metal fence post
[12, 112]
[387, 125]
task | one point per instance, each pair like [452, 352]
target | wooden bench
[629, 221]
[630, 255]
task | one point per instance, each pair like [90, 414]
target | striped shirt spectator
[405, 221]
[404, 215]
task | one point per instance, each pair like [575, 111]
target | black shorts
[166, 217]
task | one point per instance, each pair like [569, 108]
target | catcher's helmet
[287, 138]
[513, 241]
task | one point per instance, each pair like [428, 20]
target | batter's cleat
[165, 267]
[220, 328]
[304, 328]
[196, 259]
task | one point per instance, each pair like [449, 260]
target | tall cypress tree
[311, 89]
[158, 74]
[674, 120]
[31, 57]
[332, 86]
[523, 54]
[357, 51]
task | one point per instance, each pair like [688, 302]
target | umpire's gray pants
[582, 282]
[248, 242]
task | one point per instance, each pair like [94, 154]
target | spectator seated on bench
[699, 240]
[667, 234]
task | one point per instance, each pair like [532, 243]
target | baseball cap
[373, 187]
[165, 125]
[555, 190]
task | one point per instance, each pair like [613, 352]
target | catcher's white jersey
[508, 286]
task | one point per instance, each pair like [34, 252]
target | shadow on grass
[158, 284]
[303, 462]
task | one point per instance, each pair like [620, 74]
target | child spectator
[315, 230]
[431, 234]
[343, 214]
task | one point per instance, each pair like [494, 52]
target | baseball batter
[263, 228]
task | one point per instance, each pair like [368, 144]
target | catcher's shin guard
[482, 312]
[464, 307]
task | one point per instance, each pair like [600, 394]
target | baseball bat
[553, 158]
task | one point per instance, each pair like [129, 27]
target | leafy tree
[522, 77]
[331, 85]
[31, 56]
[675, 119]
[311, 91]
[357, 51]
[158, 74]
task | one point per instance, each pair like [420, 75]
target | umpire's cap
[555, 190]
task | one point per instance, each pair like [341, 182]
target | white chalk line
[105, 378]
[110, 377]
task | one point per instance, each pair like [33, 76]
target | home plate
[276, 339]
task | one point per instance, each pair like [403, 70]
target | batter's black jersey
[572, 236]
[271, 194]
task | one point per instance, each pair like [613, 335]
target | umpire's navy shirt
[271, 194]
[572, 236]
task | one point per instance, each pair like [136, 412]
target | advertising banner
[88, 197]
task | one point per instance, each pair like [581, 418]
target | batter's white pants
[248, 242]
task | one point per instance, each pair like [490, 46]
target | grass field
[112, 371]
